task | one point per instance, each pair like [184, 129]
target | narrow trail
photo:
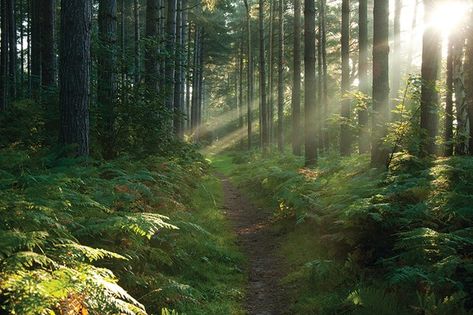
[252, 224]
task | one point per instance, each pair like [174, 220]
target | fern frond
[23, 260]
[14, 240]
[77, 252]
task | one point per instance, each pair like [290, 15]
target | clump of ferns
[48, 215]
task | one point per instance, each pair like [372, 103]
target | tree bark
[319, 114]
[262, 80]
[462, 130]
[240, 89]
[281, 76]
[48, 62]
[431, 55]
[296, 87]
[4, 57]
[12, 58]
[161, 43]
[200, 81]
[74, 74]
[137, 60]
[196, 81]
[448, 137]
[345, 132]
[151, 63]
[250, 74]
[123, 60]
[28, 49]
[170, 49]
[396, 63]
[271, 57]
[177, 72]
[324, 100]
[35, 47]
[469, 82]
[107, 79]
[363, 137]
[379, 153]
[21, 9]
[310, 83]
[188, 77]
[183, 66]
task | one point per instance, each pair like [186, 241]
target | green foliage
[112, 237]
[399, 241]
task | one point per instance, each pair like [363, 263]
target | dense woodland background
[351, 119]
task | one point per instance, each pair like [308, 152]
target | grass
[222, 163]
[218, 272]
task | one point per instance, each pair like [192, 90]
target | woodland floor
[252, 224]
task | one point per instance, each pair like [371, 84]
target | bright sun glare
[449, 14]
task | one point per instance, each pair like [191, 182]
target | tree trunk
[281, 76]
[161, 42]
[271, 56]
[151, 43]
[262, 78]
[28, 44]
[469, 83]
[462, 131]
[74, 74]
[21, 30]
[240, 89]
[35, 47]
[310, 83]
[324, 100]
[345, 132]
[170, 49]
[379, 153]
[183, 67]
[449, 103]
[319, 114]
[195, 81]
[177, 72]
[296, 88]
[250, 74]
[363, 137]
[12, 58]
[107, 81]
[188, 77]
[200, 81]
[4, 57]
[396, 63]
[431, 55]
[123, 60]
[48, 62]
[136, 15]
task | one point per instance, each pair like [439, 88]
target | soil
[264, 294]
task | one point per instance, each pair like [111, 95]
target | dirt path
[259, 242]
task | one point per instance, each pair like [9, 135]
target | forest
[235, 157]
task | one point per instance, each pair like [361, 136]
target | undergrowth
[364, 242]
[129, 236]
